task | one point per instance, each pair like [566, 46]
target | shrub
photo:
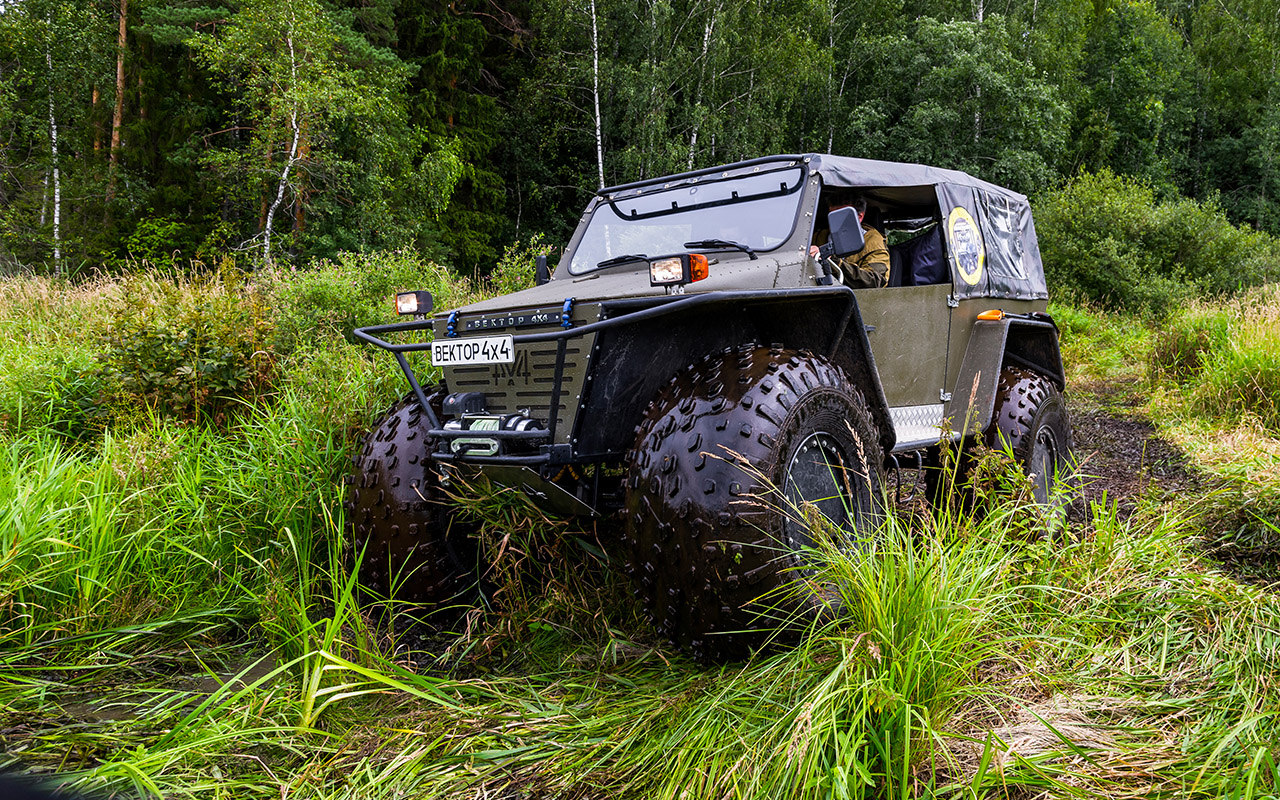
[189, 347]
[1180, 349]
[330, 298]
[162, 242]
[1110, 240]
[515, 270]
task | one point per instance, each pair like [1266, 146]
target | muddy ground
[1121, 455]
[1124, 460]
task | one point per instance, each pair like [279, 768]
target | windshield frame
[612, 198]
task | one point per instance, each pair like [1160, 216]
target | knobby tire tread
[414, 551]
[702, 538]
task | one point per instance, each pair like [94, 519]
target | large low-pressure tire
[412, 549]
[728, 461]
[1031, 417]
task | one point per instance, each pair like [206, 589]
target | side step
[919, 427]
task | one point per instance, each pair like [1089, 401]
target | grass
[178, 619]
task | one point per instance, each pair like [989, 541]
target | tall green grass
[935, 682]
[178, 619]
[1227, 355]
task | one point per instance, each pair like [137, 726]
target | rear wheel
[744, 467]
[412, 548]
[1031, 417]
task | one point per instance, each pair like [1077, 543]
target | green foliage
[1227, 357]
[189, 348]
[456, 128]
[52, 55]
[332, 297]
[515, 270]
[977, 106]
[327, 115]
[50, 331]
[164, 243]
[1112, 242]
[1140, 104]
[1188, 342]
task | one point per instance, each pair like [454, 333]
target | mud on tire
[414, 551]
[707, 537]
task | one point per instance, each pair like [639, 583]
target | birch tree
[303, 79]
[53, 149]
[50, 58]
[595, 92]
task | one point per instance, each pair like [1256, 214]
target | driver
[869, 267]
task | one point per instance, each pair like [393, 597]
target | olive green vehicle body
[597, 345]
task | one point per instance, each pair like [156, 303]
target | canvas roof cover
[990, 238]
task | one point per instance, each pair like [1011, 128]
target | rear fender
[1030, 341]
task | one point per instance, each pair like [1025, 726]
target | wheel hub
[818, 491]
[1043, 463]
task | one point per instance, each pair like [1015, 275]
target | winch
[468, 410]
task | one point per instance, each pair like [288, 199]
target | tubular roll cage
[647, 308]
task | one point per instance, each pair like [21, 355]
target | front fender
[633, 362]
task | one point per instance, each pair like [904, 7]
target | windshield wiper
[723, 243]
[627, 259]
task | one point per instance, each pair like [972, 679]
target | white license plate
[473, 350]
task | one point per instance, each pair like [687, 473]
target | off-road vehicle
[691, 369]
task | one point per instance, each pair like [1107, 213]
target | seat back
[895, 265]
[919, 260]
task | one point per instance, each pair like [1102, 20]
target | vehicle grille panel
[529, 384]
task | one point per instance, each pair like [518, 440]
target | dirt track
[1121, 454]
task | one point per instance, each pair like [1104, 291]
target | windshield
[757, 210]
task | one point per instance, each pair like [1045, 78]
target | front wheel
[412, 548]
[744, 467]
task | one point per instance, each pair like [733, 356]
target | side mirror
[846, 231]
[542, 273]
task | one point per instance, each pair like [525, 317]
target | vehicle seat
[895, 265]
[918, 261]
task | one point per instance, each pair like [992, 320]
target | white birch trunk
[831, 49]
[57, 175]
[293, 151]
[595, 94]
[702, 72]
[977, 114]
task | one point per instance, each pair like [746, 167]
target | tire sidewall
[1050, 420]
[703, 534]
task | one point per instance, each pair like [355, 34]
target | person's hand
[813, 251]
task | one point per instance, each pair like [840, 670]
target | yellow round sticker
[966, 245]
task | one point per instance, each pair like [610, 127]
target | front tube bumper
[647, 308]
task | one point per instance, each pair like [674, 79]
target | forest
[178, 132]
[201, 199]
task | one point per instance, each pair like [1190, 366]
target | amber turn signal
[994, 315]
[699, 268]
